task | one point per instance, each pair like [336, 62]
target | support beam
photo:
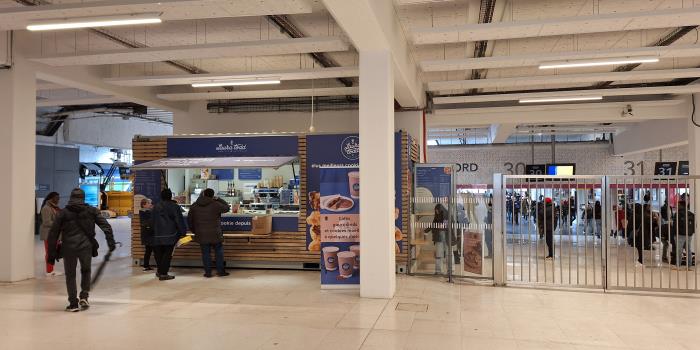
[378, 263]
[373, 25]
[529, 60]
[184, 52]
[13, 18]
[238, 95]
[562, 79]
[614, 22]
[552, 114]
[499, 133]
[91, 79]
[93, 100]
[683, 89]
[651, 135]
[284, 75]
[17, 152]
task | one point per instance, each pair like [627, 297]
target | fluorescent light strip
[237, 83]
[561, 99]
[596, 63]
[93, 22]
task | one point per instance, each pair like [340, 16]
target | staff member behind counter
[204, 220]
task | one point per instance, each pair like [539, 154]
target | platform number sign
[632, 168]
[536, 169]
[665, 168]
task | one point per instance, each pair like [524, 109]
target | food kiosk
[270, 181]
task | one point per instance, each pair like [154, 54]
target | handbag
[59, 251]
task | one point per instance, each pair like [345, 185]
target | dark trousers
[70, 263]
[163, 254]
[206, 257]
[147, 256]
[549, 238]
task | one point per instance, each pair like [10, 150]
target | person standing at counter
[146, 221]
[204, 220]
[49, 211]
[168, 227]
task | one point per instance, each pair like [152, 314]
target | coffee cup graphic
[346, 263]
[354, 183]
[356, 249]
[330, 258]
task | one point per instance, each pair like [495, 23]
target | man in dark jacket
[547, 219]
[682, 232]
[204, 220]
[168, 227]
[76, 227]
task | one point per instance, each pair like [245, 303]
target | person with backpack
[683, 230]
[49, 211]
[146, 221]
[168, 227]
[76, 227]
[204, 220]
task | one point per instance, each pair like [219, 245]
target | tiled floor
[272, 309]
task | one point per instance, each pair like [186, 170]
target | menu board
[250, 174]
[340, 226]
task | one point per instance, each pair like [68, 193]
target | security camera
[627, 112]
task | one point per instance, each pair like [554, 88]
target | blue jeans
[206, 257]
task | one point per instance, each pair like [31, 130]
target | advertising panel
[341, 150]
[340, 226]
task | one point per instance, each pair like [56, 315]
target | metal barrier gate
[601, 232]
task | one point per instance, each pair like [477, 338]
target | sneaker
[223, 274]
[638, 264]
[84, 304]
[166, 277]
[147, 269]
[50, 274]
[549, 258]
[72, 308]
[207, 275]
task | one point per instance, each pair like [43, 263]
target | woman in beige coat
[49, 210]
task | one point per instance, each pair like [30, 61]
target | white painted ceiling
[441, 36]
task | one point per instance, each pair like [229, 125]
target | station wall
[479, 163]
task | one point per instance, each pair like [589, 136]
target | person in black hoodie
[547, 221]
[146, 221]
[204, 220]
[439, 234]
[76, 227]
[168, 227]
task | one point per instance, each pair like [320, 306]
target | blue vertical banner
[340, 150]
[340, 226]
[433, 181]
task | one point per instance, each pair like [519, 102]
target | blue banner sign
[250, 174]
[261, 146]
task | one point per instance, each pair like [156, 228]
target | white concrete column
[378, 262]
[694, 159]
[17, 155]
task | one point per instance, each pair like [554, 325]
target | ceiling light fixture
[92, 22]
[237, 83]
[598, 62]
[561, 99]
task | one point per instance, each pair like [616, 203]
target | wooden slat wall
[280, 246]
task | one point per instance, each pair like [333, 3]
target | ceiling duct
[49, 123]
[288, 104]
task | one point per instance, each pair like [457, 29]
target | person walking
[547, 222]
[168, 227]
[49, 211]
[439, 233]
[682, 234]
[146, 221]
[76, 227]
[204, 220]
